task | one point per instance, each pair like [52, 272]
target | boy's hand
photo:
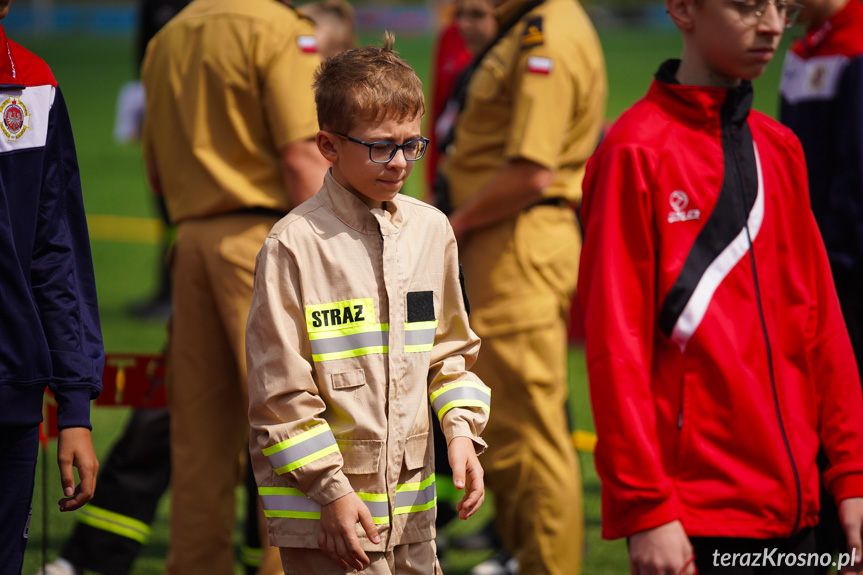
[467, 474]
[338, 535]
[663, 550]
[75, 449]
[851, 519]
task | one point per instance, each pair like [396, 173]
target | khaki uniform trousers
[213, 276]
[408, 559]
[519, 278]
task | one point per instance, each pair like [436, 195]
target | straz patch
[14, 118]
[339, 315]
[532, 35]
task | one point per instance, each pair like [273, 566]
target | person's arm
[286, 409]
[64, 288]
[289, 107]
[617, 290]
[303, 168]
[459, 400]
[513, 188]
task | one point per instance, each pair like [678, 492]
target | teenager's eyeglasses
[751, 11]
[384, 152]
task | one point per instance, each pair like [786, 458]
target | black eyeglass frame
[396, 147]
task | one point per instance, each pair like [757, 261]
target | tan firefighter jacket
[357, 331]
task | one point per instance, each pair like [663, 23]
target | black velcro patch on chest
[420, 306]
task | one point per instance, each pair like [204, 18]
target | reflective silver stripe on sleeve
[460, 394]
[304, 448]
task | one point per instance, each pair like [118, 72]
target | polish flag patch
[307, 44]
[538, 65]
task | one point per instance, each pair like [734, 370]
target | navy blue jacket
[49, 319]
[822, 102]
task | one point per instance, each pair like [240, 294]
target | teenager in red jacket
[718, 359]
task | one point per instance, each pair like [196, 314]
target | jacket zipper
[739, 178]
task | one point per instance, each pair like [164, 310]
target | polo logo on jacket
[679, 201]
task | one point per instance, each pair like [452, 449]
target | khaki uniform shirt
[357, 327]
[539, 94]
[228, 84]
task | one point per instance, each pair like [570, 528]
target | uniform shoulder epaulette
[532, 35]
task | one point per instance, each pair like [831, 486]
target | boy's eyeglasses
[384, 152]
[751, 11]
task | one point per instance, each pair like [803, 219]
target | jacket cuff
[847, 486]
[73, 408]
[642, 518]
[465, 429]
[328, 489]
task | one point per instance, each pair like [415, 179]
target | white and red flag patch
[307, 44]
[539, 65]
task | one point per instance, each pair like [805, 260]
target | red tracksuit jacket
[717, 354]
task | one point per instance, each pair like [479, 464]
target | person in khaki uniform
[358, 331]
[228, 142]
[530, 120]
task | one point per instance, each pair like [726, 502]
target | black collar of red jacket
[10, 76]
[703, 106]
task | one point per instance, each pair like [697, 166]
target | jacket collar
[701, 106]
[10, 74]
[354, 213]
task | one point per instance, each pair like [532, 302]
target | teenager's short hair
[369, 83]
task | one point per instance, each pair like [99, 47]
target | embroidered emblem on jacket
[15, 118]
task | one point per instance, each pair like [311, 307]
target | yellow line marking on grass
[126, 229]
[583, 441]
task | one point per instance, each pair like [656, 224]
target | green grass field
[90, 72]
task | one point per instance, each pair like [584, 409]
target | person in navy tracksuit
[822, 102]
[49, 321]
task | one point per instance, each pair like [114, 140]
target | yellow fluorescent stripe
[372, 496]
[451, 386]
[280, 491]
[417, 486]
[313, 432]
[351, 353]
[308, 459]
[463, 403]
[351, 330]
[105, 525]
[415, 508]
[419, 348]
[293, 514]
[418, 325]
[125, 229]
[381, 520]
[123, 520]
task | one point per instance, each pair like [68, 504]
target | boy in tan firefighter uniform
[358, 330]
[530, 120]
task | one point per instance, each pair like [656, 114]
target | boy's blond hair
[369, 83]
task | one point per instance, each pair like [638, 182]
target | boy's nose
[399, 160]
[773, 21]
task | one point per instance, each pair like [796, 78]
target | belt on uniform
[555, 201]
[258, 211]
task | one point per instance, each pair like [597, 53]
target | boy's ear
[326, 143]
[680, 12]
